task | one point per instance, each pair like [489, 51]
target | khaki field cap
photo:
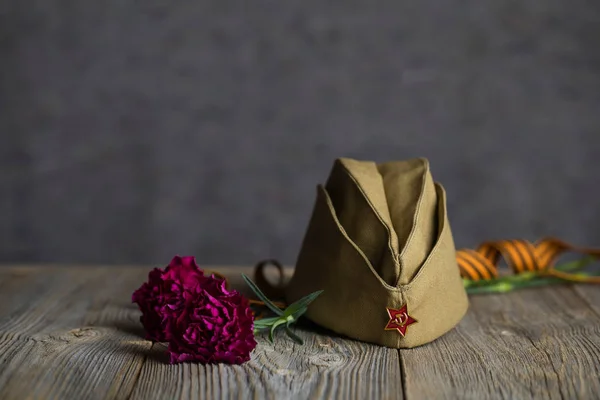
[379, 245]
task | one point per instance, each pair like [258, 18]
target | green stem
[504, 287]
[527, 279]
[575, 265]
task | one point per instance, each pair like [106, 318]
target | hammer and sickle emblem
[399, 319]
[402, 319]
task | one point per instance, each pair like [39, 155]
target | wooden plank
[69, 333]
[73, 333]
[591, 295]
[326, 366]
[538, 343]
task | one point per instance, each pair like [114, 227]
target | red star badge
[399, 320]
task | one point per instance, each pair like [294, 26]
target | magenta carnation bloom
[161, 298]
[215, 325]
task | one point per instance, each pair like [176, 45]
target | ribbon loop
[271, 291]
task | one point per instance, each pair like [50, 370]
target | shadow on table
[157, 353]
[130, 333]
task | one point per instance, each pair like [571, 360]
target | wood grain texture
[69, 334]
[325, 367]
[72, 333]
[539, 343]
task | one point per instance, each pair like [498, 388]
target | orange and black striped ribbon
[521, 256]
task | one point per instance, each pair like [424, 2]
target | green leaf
[293, 308]
[292, 335]
[265, 322]
[262, 296]
[296, 316]
[275, 325]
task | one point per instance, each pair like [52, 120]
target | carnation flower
[215, 325]
[161, 298]
[202, 320]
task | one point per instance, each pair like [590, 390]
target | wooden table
[72, 333]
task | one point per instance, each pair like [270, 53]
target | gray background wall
[131, 131]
